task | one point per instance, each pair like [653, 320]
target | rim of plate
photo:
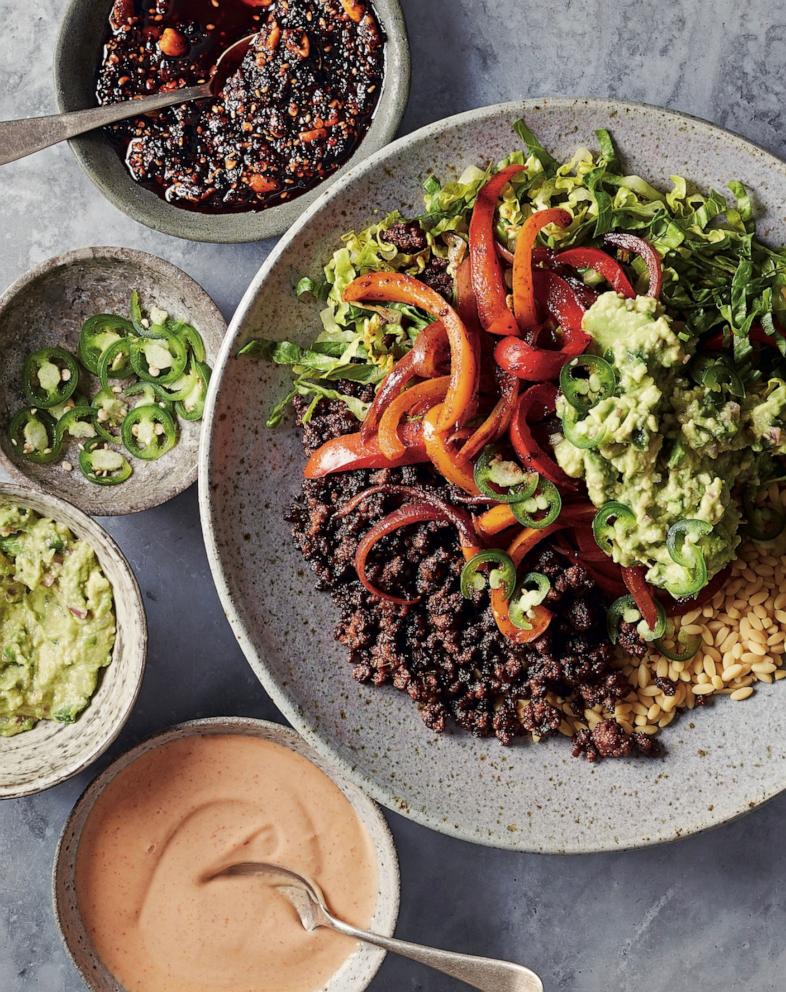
[301, 720]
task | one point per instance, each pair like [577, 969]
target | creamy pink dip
[181, 812]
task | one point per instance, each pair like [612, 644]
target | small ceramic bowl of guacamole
[73, 640]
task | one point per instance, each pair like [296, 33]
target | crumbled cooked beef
[630, 641]
[436, 275]
[609, 740]
[408, 237]
[445, 651]
[666, 686]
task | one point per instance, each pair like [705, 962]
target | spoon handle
[31, 134]
[486, 974]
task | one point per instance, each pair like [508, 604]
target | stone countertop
[706, 914]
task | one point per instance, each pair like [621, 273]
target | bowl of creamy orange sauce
[134, 892]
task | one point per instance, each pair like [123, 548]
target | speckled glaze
[52, 752]
[358, 970]
[48, 306]
[76, 60]
[526, 797]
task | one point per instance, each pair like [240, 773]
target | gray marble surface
[705, 914]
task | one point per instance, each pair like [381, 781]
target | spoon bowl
[485, 974]
[21, 138]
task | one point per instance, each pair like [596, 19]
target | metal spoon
[485, 974]
[24, 137]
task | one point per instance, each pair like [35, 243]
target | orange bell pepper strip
[349, 452]
[487, 279]
[498, 421]
[430, 391]
[495, 520]
[523, 281]
[395, 286]
[541, 617]
[447, 462]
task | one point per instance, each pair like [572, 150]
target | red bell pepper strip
[563, 305]
[524, 306]
[387, 286]
[535, 404]
[606, 266]
[430, 391]
[642, 593]
[498, 421]
[631, 242]
[756, 335]
[350, 452]
[446, 461]
[487, 280]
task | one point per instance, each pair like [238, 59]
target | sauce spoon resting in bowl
[486, 974]
[24, 137]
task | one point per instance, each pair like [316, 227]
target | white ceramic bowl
[357, 971]
[52, 752]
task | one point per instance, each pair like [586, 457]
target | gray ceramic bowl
[77, 57]
[355, 974]
[48, 306]
[528, 797]
[52, 752]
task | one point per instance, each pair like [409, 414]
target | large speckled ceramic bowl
[357, 971]
[76, 62]
[48, 306]
[529, 797]
[52, 752]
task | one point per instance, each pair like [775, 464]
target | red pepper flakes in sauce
[293, 114]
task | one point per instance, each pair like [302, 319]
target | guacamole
[667, 443]
[57, 621]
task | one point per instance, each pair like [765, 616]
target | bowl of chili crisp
[323, 85]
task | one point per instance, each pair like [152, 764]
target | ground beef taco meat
[446, 652]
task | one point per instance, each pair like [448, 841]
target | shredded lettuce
[717, 275]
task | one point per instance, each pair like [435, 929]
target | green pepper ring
[599, 524]
[105, 372]
[552, 494]
[199, 410]
[569, 421]
[86, 466]
[517, 617]
[103, 431]
[158, 415]
[627, 602]
[176, 349]
[592, 363]
[88, 353]
[504, 564]
[68, 418]
[66, 388]
[16, 430]
[191, 336]
[514, 493]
